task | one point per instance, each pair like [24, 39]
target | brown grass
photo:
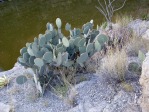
[123, 20]
[114, 65]
[127, 87]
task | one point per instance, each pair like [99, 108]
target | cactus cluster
[54, 49]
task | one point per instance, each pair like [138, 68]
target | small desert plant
[145, 17]
[107, 9]
[141, 56]
[65, 91]
[114, 65]
[127, 87]
[3, 81]
[134, 67]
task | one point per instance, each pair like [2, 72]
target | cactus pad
[48, 56]
[65, 42]
[83, 58]
[39, 62]
[21, 79]
[58, 23]
[68, 27]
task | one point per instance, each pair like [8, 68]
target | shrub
[114, 65]
[52, 52]
[124, 20]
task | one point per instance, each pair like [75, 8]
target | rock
[139, 26]
[144, 81]
[146, 35]
[96, 95]
[4, 107]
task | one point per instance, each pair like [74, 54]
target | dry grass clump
[114, 65]
[127, 87]
[123, 20]
[66, 90]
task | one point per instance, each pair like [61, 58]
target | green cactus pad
[36, 40]
[68, 63]
[23, 50]
[58, 23]
[31, 60]
[71, 43]
[48, 56]
[141, 56]
[134, 67]
[26, 57]
[65, 42]
[90, 47]
[91, 53]
[21, 60]
[86, 29]
[68, 27]
[28, 44]
[76, 32]
[82, 49]
[76, 41]
[61, 49]
[59, 59]
[42, 41]
[21, 79]
[59, 45]
[48, 47]
[83, 58]
[102, 39]
[64, 57]
[41, 70]
[35, 47]
[39, 54]
[82, 42]
[44, 50]
[97, 46]
[48, 36]
[39, 62]
[55, 40]
[30, 52]
[49, 26]
[92, 37]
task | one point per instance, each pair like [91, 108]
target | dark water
[22, 20]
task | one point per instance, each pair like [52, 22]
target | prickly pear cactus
[53, 50]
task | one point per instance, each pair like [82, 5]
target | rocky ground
[94, 95]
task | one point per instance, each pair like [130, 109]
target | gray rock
[144, 81]
[4, 107]
[97, 95]
[139, 26]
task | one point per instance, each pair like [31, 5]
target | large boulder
[144, 81]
